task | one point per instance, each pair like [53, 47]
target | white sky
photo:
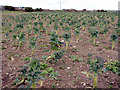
[65, 4]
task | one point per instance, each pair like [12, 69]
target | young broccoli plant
[20, 39]
[41, 26]
[30, 73]
[96, 66]
[56, 55]
[54, 40]
[77, 31]
[113, 39]
[33, 44]
[56, 27]
[93, 33]
[83, 25]
[36, 31]
[47, 27]
[104, 31]
[29, 29]
[7, 36]
[66, 37]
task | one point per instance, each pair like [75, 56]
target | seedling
[29, 29]
[30, 73]
[113, 66]
[75, 58]
[7, 36]
[56, 27]
[47, 27]
[20, 39]
[41, 26]
[33, 44]
[96, 66]
[113, 39]
[104, 31]
[36, 31]
[77, 31]
[93, 33]
[54, 40]
[83, 23]
[53, 85]
[56, 55]
[66, 37]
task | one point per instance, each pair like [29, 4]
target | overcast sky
[65, 4]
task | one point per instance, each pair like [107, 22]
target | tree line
[26, 9]
[30, 9]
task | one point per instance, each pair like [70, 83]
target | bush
[38, 9]
[29, 9]
[10, 8]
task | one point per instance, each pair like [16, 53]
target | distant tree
[29, 9]
[9, 8]
[98, 10]
[39, 9]
[84, 10]
[102, 10]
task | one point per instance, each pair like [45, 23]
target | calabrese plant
[96, 66]
[93, 32]
[56, 55]
[30, 73]
[66, 37]
[113, 39]
[54, 40]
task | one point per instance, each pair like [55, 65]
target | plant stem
[41, 83]
[56, 32]
[66, 45]
[83, 28]
[104, 36]
[33, 85]
[94, 40]
[19, 44]
[113, 44]
[46, 32]
[49, 57]
[33, 50]
[35, 35]
[95, 78]
[23, 80]
[77, 38]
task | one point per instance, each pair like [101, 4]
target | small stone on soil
[68, 68]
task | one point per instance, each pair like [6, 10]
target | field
[60, 50]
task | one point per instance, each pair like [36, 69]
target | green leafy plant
[104, 31]
[66, 37]
[36, 31]
[113, 66]
[20, 39]
[113, 39]
[93, 33]
[96, 66]
[77, 31]
[84, 24]
[33, 44]
[56, 27]
[30, 73]
[56, 55]
[54, 40]
[76, 58]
